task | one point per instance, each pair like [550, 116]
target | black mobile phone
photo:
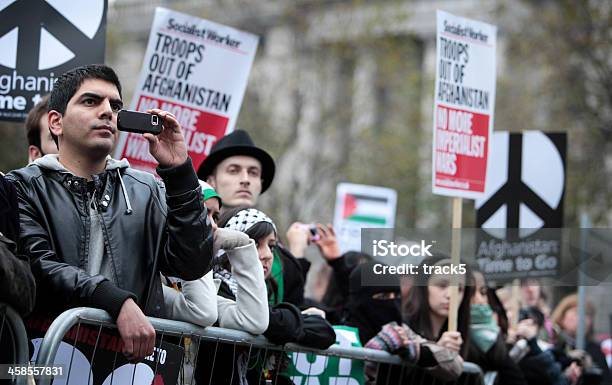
[139, 122]
[314, 235]
[313, 230]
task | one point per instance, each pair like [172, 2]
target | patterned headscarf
[243, 220]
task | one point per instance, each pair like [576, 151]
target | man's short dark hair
[69, 82]
[32, 123]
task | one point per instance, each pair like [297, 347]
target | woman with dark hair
[263, 232]
[197, 301]
[423, 341]
[286, 322]
[429, 302]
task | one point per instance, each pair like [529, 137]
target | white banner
[196, 69]
[464, 105]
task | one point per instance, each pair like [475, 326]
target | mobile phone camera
[313, 230]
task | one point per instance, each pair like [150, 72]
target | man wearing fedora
[238, 170]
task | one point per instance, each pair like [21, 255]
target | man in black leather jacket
[98, 232]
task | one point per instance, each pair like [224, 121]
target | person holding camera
[589, 365]
[534, 356]
[97, 232]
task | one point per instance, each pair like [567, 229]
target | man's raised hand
[168, 148]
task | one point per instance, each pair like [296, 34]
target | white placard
[464, 105]
[196, 69]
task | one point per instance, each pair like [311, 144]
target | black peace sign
[515, 191]
[29, 16]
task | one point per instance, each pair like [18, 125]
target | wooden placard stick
[515, 302]
[455, 257]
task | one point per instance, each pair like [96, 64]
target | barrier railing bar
[248, 359]
[2, 327]
[196, 357]
[377, 370]
[402, 370]
[309, 366]
[133, 374]
[325, 362]
[212, 370]
[156, 356]
[93, 357]
[67, 319]
[62, 324]
[389, 373]
[76, 338]
[263, 365]
[20, 338]
[114, 366]
[234, 366]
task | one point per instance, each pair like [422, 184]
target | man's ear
[211, 181]
[55, 123]
[34, 153]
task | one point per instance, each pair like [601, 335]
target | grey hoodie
[98, 262]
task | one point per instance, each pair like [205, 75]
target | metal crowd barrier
[13, 341]
[168, 329]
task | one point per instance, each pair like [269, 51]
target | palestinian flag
[365, 209]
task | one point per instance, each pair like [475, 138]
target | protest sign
[41, 40]
[525, 191]
[361, 206]
[198, 71]
[464, 104]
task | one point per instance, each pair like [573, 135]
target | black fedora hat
[238, 142]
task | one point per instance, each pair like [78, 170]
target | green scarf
[483, 329]
[277, 274]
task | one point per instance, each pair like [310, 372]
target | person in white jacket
[198, 301]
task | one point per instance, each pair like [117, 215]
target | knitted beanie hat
[209, 192]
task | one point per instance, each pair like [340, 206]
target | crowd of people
[79, 228]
